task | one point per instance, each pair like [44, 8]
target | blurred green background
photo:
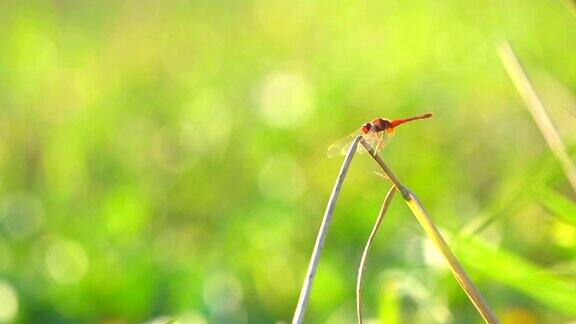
[167, 159]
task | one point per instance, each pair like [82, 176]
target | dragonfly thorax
[380, 124]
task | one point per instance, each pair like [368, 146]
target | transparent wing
[342, 146]
[376, 140]
[383, 139]
[373, 139]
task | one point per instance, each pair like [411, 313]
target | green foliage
[509, 269]
[165, 159]
[557, 204]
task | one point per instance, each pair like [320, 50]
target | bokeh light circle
[286, 99]
[8, 302]
[66, 261]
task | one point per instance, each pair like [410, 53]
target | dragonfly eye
[366, 128]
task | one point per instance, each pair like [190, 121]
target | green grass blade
[557, 204]
[514, 271]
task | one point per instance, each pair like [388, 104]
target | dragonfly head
[366, 128]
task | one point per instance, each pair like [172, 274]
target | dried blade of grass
[362, 266]
[571, 4]
[536, 109]
[422, 216]
[309, 279]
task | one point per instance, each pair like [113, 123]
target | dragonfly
[376, 133]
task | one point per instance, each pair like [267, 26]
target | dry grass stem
[309, 279]
[536, 109]
[571, 4]
[422, 216]
[367, 247]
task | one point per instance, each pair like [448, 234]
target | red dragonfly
[376, 134]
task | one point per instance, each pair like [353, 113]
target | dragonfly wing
[376, 140]
[385, 138]
[381, 142]
[342, 146]
[373, 139]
